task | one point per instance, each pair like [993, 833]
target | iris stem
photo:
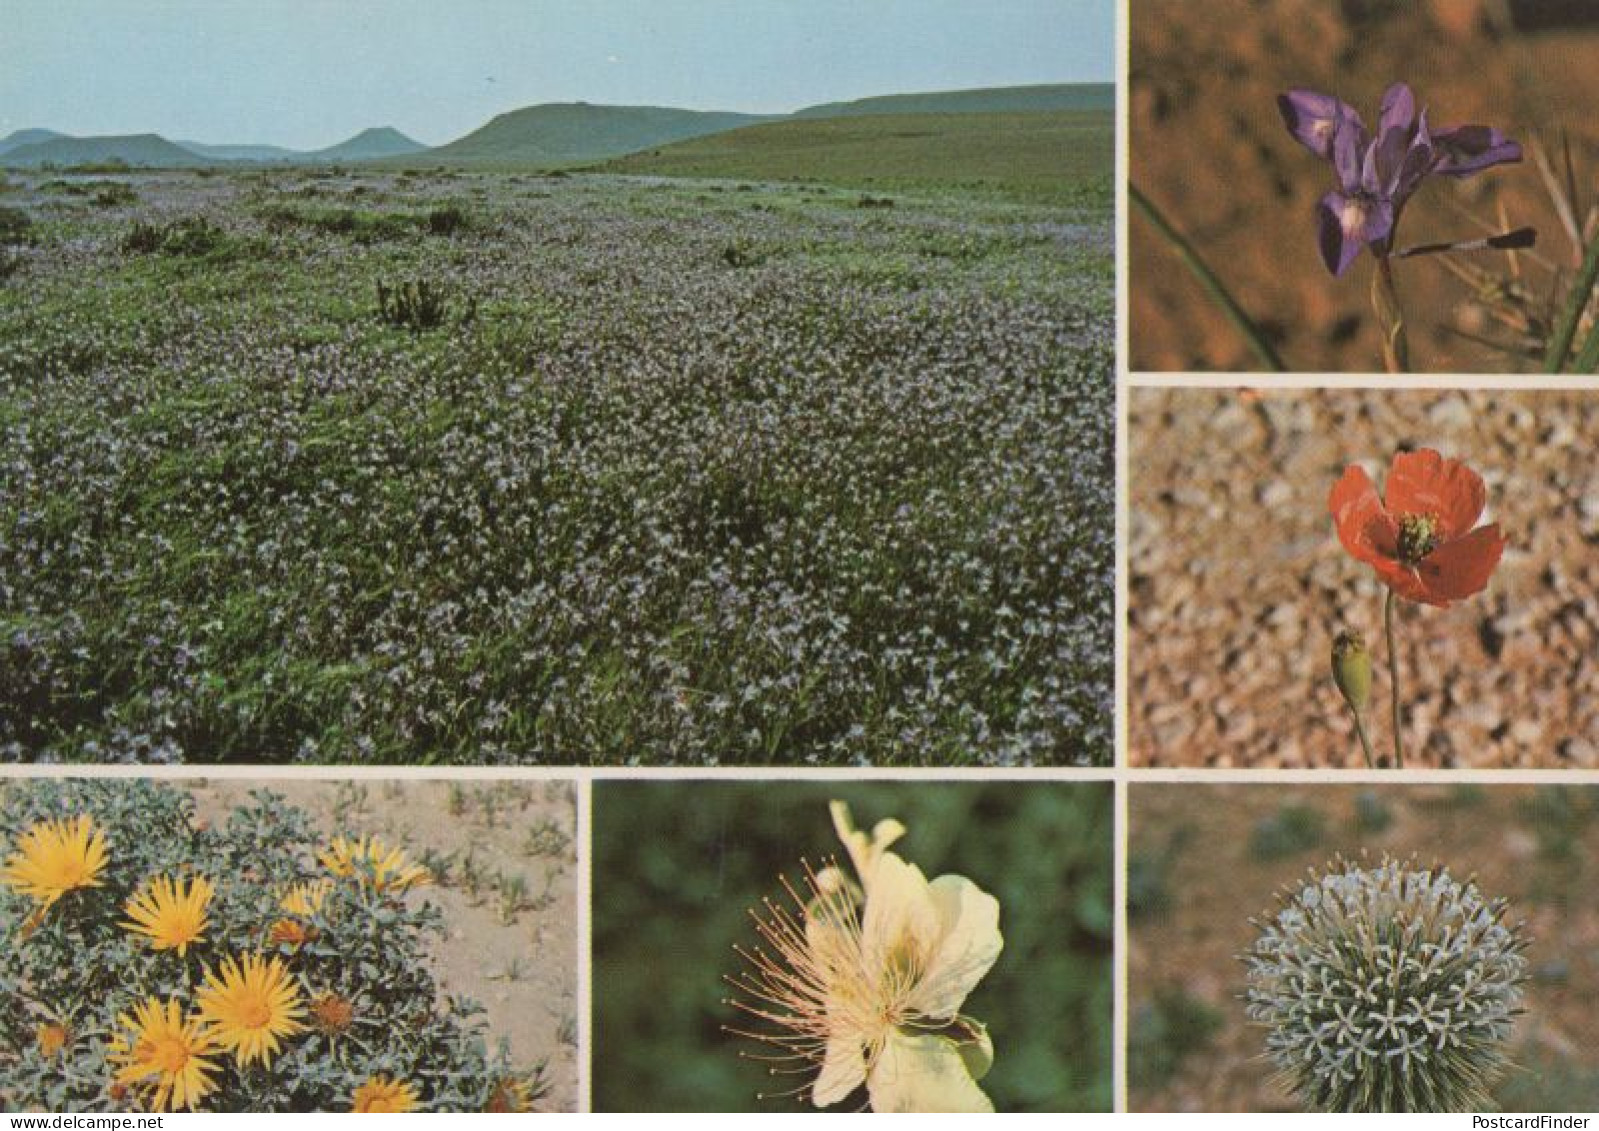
[1566, 329]
[1393, 678]
[1390, 318]
[1207, 279]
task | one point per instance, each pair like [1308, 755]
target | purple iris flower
[1377, 175]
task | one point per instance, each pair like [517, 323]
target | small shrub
[1164, 1032]
[194, 237]
[875, 202]
[447, 220]
[1291, 830]
[1372, 813]
[115, 194]
[335, 926]
[15, 226]
[741, 254]
[143, 238]
[419, 304]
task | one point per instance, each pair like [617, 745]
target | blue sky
[308, 73]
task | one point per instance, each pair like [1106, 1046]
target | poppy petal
[1424, 482]
[1364, 526]
[1461, 568]
[1406, 582]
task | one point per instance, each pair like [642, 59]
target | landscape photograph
[530, 383]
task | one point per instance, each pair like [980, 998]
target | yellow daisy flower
[382, 1095]
[164, 1055]
[249, 1006]
[305, 900]
[55, 857]
[169, 916]
[301, 901]
[373, 863]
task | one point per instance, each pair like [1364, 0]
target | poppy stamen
[1418, 537]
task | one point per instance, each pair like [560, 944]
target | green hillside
[243, 152]
[146, 150]
[18, 138]
[368, 145]
[989, 100]
[1061, 156]
[576, 132]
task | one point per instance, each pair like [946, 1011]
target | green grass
[1062, 157]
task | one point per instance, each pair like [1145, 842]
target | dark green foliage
[81, 968]
[1149, 875]
[1558, 816]
[419, 304]
[15, 226]
[115, 194]
[681, 864]
[741, 254]
[447, 220]
[1166, 1030]
[192, 237]
[1291, 830]
[1372, 813]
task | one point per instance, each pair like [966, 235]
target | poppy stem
[1393, 678]
[1365, 742]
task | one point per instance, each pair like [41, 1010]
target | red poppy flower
[1419, 538]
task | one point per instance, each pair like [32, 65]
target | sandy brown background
[1208, 147]
[1237, 583]
[1205, 859]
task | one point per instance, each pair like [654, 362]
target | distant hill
[570, 133]
[240, 152]
[990, 100]
[148, 150]
[1059, 156]
[26, 137]
[368, 145]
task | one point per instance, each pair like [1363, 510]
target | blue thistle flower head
[1387, 988]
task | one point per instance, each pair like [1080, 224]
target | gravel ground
[1237, 582]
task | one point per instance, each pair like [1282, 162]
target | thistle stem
[1393, 679]
[1390, 318]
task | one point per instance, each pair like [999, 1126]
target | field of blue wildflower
[686, 868]
[220, 949]
[394, 467]
[1208, 937]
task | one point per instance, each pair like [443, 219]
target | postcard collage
[1072, 592]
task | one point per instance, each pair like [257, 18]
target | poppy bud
[1351, 668]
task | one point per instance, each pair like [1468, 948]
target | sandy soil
[515, 955]
[1208, 147]
[1237, 582]
[1216, 882]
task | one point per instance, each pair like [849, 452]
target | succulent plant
[1387, 988]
